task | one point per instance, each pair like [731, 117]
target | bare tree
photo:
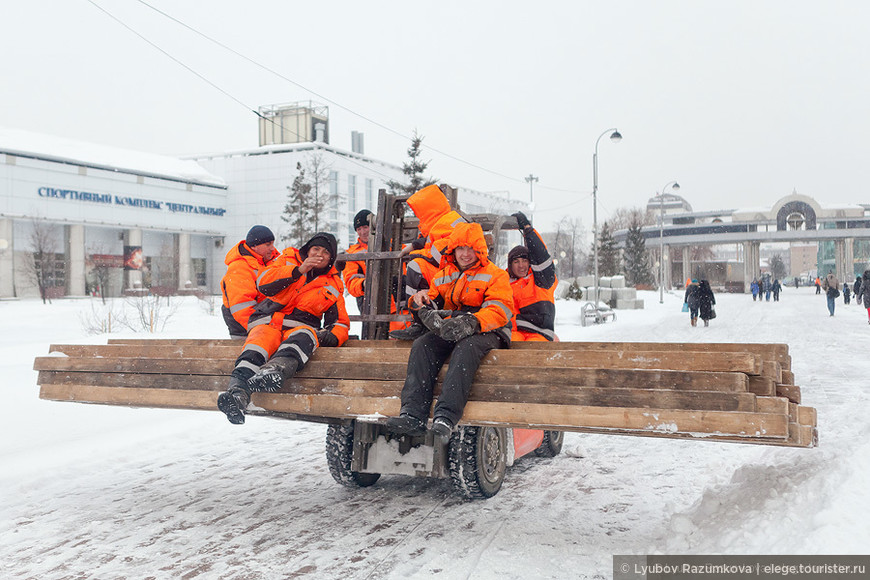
[40, 266]
[625, 217]
[321, 197]
[101, 264]
[568, 247]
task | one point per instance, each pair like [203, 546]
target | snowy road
[103, 492]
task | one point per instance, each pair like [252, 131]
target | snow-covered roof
[62, 150]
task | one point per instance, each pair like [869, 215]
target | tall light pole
[531, 179]
[674, 187]
[616, 137]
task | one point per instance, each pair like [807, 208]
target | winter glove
[522, 220]
[430, 319]
[459, 327]
[326, 338]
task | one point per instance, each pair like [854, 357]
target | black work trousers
[428, 355]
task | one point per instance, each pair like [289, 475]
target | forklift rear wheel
[478, 460]
[339, 453]
[551, 446]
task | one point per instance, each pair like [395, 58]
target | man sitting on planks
[479, 295]
[302, 287]
[533, 282]
[244, 263]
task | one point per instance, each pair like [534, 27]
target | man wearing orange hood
[437, 221]
[479, 295]
[302, 287]
[239, 285]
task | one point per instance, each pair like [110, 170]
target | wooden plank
[787, 377]
[790, 392]
[772, 370]
[761, 386]
[777, 405]
[161, 398]
[518, 393]
[490, 372]
[807, 416]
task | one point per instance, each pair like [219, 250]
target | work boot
[442, 429]
[271, 376]
[406, 424]
[234, 401]
[694, 321]
[410, 333]
[706, 323]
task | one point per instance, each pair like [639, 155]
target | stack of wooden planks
[711, 391]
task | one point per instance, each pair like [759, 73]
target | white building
[105, 208]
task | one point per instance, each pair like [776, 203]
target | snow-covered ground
[92, 491]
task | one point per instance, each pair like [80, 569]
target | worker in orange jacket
[533, 281]
[301, 288]
[354, 273]
[479, 295]
[437, 221]
[239, 285]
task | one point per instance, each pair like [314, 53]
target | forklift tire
[339, 452]
[478, 460]
[551, 446]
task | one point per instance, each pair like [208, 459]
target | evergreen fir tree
[414, 170]
[636, 259]
[608, 253]
[299, 210]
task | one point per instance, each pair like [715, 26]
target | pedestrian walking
[706, 301]
[691, 300]
[832, 290]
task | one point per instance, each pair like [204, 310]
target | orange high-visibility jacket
[354, 273]
[239, 286]
[437, 221]
[302, 298]
[483, 289]
[534, 304]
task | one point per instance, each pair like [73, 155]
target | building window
[333, 183]
[351, 193]
[370, 194]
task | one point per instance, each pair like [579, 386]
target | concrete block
[617, 282]
[624, 293]
[604, 281]
[585, 281]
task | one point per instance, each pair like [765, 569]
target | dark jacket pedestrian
[865, 292]
[691, 300]
[755, 289]
[776, 289]
[706, 301]
[856, 287]
[846, 293]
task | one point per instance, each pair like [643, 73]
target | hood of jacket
[321, 239]
[241, 251]
[467, 234]
[428, 205]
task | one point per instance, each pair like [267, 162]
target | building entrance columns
[74, 240]
[751, 263]
[687, 264]
[184, 270]
[844, 259]
[7, 259]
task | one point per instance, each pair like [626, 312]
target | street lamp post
[674, 187]
[531, 179]
[616, 137]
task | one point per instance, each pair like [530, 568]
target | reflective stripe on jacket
[239, 286]
[483, 289]
[534, 304]
[302, 298]
[354, 273]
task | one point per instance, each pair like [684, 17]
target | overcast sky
[742, 102]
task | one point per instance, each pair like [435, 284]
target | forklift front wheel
[339, 453]
[478, 460]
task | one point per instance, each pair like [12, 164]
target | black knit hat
[361, 218]
[259, 235]
[324, 240]
[518, 252]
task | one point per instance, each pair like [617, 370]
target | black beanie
[324, 240]
[518, 252]
[259, 235]
[361, 218]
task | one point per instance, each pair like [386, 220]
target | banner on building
[132, 257]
